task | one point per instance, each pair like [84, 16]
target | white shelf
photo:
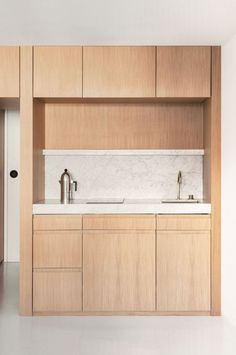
[122, 152]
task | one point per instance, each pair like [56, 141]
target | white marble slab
[121, 152]
[153, 176]
[133, 206]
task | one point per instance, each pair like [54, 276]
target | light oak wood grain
[1, 185]
[26, 181]
[38, 146]
[118, 71]
[124, 126]
[57, 222]
[183, 71]
[183, 271]
[9, 71]
[57, 291]
[216, 180]
[118, 271]
[57, 71]
[116, 221]
[60, 249]
[183, 222]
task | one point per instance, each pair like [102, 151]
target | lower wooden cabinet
[122, 264]
[57, 291]
[183, 271]
[119, 271]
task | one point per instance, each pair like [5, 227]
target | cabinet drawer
[57, 222]
[184, 222]
[57, 291]
[57, 249]
[108, 222]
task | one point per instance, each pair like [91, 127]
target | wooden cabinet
[183, 264]
[57, 290]
[57, 263]
[9, 71]
[119, 71]
[58, 71]
[183, 72]
[119, 271]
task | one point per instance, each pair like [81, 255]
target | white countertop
[128, 206]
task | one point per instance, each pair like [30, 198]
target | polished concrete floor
[106, 335]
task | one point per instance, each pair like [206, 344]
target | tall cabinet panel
[58, 71]
[9, 71]
[1, 185]
[119, 71]
[183, 71]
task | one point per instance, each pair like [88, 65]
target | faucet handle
[76, 185]
[179, 180]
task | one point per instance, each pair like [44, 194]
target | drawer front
[57, 249]
[57, 222]
[109, 222]
[57, 291]
[184, 222]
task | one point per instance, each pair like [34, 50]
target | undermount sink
[180, 201]
[105, 201]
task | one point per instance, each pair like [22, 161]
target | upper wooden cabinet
[183, 72]
[58, 71]
[119, 71]
[9, 71]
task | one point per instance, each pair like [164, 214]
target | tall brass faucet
[179, 181]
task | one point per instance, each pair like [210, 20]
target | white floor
[106, 335]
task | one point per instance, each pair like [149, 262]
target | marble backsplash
[153, 176]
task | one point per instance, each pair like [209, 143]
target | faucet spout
[179, 181]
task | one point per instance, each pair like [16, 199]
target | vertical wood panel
[9, 71]
[38, 146]
[26, 188]
[1, 185]
[216, 179]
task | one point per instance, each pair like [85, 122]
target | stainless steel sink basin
[105, 201]
[180, 201]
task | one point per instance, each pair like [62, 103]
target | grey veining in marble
[125, 176]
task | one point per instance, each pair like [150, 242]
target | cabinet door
[183, 71]
[183, 271]
[57, 71]
[118, 271]
[119, 71]
[9, 71]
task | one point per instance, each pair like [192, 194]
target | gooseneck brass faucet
[179, 181]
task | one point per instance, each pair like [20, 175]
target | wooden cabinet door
[118, 271]
[57, 71]
[183, 71]
[119, 71]
[183, 271]
[9, 71]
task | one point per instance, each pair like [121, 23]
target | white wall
[229, 177]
